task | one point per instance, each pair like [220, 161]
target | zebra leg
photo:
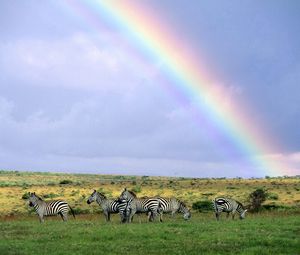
[227, 215]
[41, 217]
[64, 217]
[122, 216]
[130, 218]
[150, 216]
[140, 218]
[173, 215]
[233, 214]
[153, 216]
[108, 216]
[217, 215]
[160, 212]
[61, 215]
[161, 216]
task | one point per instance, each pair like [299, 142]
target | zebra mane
[38, 197]
[101, 194]
[132, 193]
[183, 204]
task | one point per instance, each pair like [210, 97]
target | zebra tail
[72, 211]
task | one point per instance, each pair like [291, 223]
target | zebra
[44, 208]
[108, 205]
[173, 205]
[139, 205]
[222, 204]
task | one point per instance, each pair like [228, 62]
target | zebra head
[186, 211]
[243, 214]
[33, 199]
[92, 197]
[187, 215]
[96, 196]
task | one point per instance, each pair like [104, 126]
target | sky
[78, 93]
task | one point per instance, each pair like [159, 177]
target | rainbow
[153, 38]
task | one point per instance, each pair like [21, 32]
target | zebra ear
[33, 193]
[246, 210]
[95, 190]
[125, 189]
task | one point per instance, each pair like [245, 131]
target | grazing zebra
[173, 205]
[228, 205]
[139, 205]
[108, 205]
[44, 208]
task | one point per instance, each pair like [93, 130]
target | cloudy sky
[77, 95]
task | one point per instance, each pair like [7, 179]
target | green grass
[272, 233]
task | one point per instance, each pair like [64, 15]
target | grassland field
[268, 232]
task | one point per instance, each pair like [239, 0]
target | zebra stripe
[108, 206]
[222, 204]
[139, 205]
[173, 205]
[44, 208]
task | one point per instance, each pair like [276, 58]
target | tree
[256, 198]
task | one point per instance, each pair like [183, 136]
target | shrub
[202, 206]
[25, 185]
[66, 182]
[78, 210]
[51, 195]
[25, 195]
[231, 187]
[273, 196]
[273, 207]
[137, 189]
[256, 198]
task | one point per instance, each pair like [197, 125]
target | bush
[231, 187]
[51, 195]
[202, 206]
[270, 207]
[78, 210]
[66, 182]
[137, 189]
[25, 195]
[256, 198]
[273, 196]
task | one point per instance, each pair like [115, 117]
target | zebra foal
[222, 204]
[43, 208]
